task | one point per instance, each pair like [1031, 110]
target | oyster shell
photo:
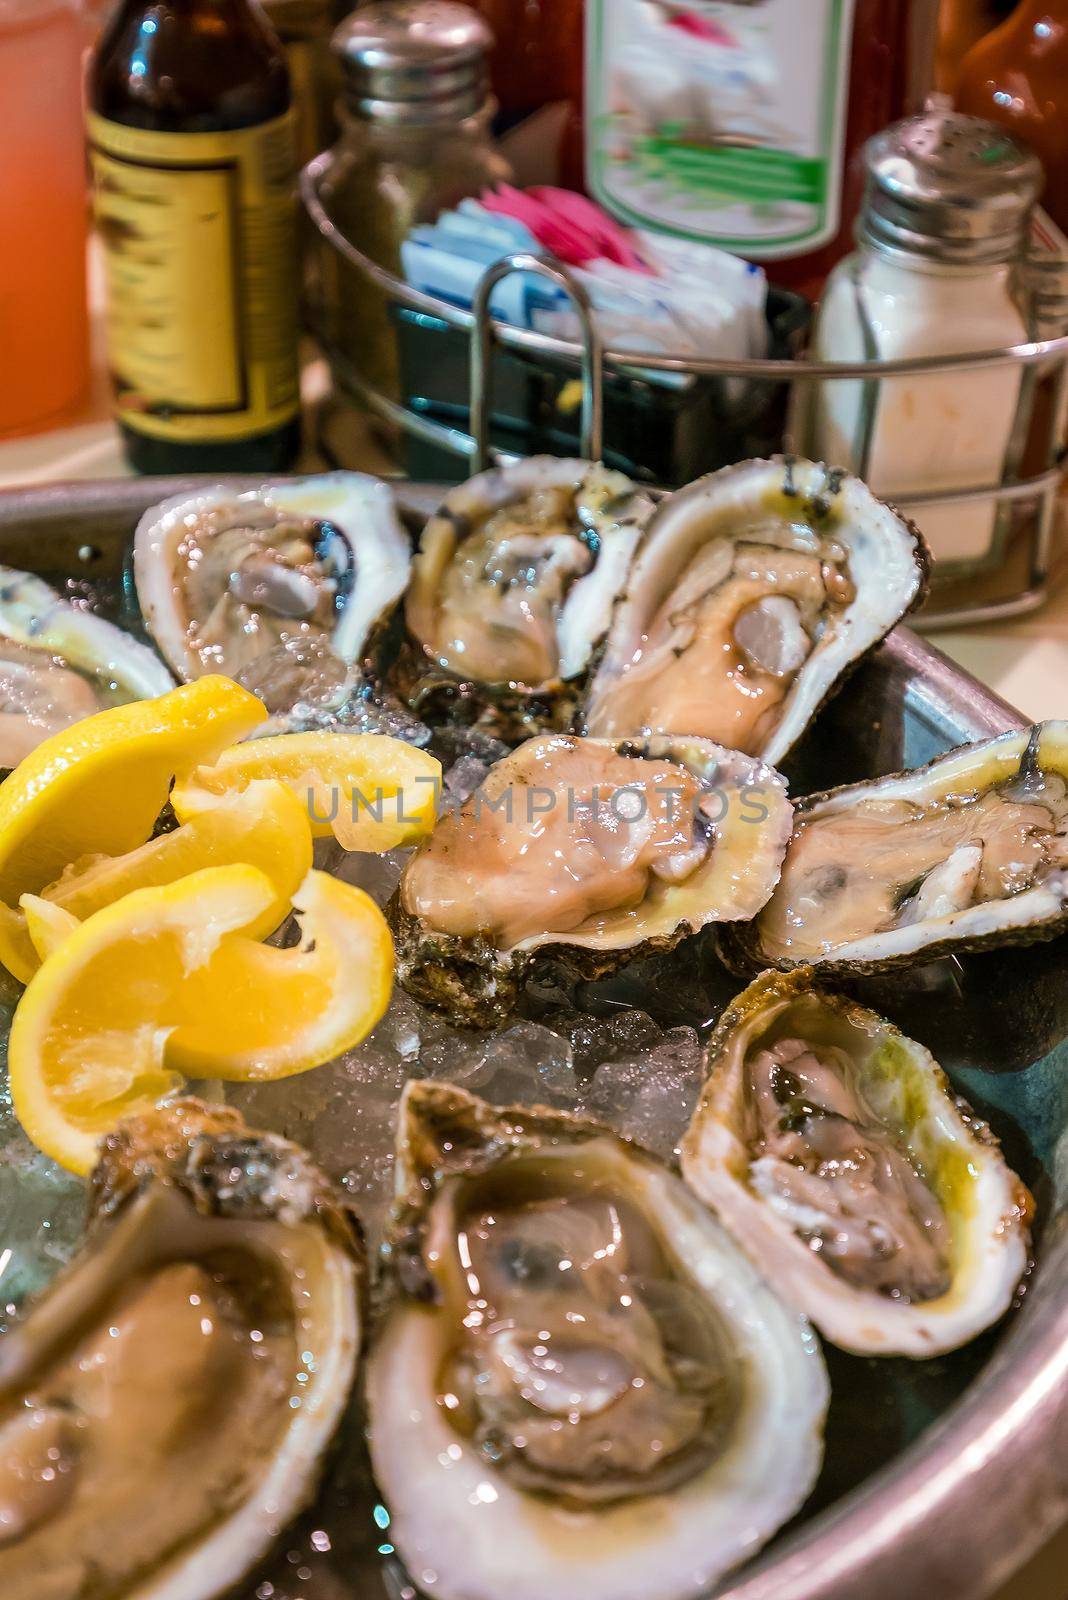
[225, 578]
[968, 852]
[512, 592]
[754, 591]
[835, 1151]
[60, 663]
[165, 1405]
[578, 1385]
[591, 852]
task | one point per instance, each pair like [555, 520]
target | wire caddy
[1026, 500]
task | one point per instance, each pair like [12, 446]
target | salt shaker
[936, 272]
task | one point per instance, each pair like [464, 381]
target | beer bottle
[191, 141]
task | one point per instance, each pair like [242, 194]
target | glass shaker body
[382, 181]
[44, 325]
[925, 431]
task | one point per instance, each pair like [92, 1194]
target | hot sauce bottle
[537, 57]
[192, 148]
[961, 24]
[725, 121]
[1018, 76]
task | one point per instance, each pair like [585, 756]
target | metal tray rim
[978, 1493]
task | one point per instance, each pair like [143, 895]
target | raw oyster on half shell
[836, 1152]
[512, 591]
[969, 852]
[590, 851]
[166, 1403]
[578, 1385]
[755, 590]
[224, 578]
[59, 663]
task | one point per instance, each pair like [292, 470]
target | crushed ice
[308, 689]
[624, 1070]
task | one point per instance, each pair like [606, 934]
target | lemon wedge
[166, 981]
[98, 787]
[373, 793]
[46, 925]
[265, 826]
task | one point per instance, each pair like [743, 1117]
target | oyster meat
[578, 1387]
[225, 578]
[968, 852]
[512, 592]
[60, 663]
[835, 1151]
[589, 851]
[165, 1405]
[755, 590]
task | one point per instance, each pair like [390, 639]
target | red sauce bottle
[1018, 76]
[537, 57]
[722, 120]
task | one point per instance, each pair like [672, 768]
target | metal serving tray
[946, 1475]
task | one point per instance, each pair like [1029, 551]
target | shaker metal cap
[950, 188]
[414, 61]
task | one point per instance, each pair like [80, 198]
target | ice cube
[307, 688]
[376, 875]
[649, 1095]
[596, 1039]
[42, 1207]
[466, 756]
[527, 1063]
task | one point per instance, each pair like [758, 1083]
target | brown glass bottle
[190, 122]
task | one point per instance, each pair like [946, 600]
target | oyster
[578, 1385]
[755, 590]
[225, 578]
[60, 663]
[591, 852]
[835, 1151]
[512, 592]
[967, 852]
[165, 1405]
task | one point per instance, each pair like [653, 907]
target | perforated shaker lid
[414, 61]
[950, 188]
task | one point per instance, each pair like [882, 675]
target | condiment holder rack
[1015, 581]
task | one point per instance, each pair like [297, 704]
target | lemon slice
[371, 792]
[98, 787]
[165, 981]
[265, 827]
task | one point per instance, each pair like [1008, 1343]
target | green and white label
[720, 120]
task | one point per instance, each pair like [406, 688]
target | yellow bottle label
[199, 233]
